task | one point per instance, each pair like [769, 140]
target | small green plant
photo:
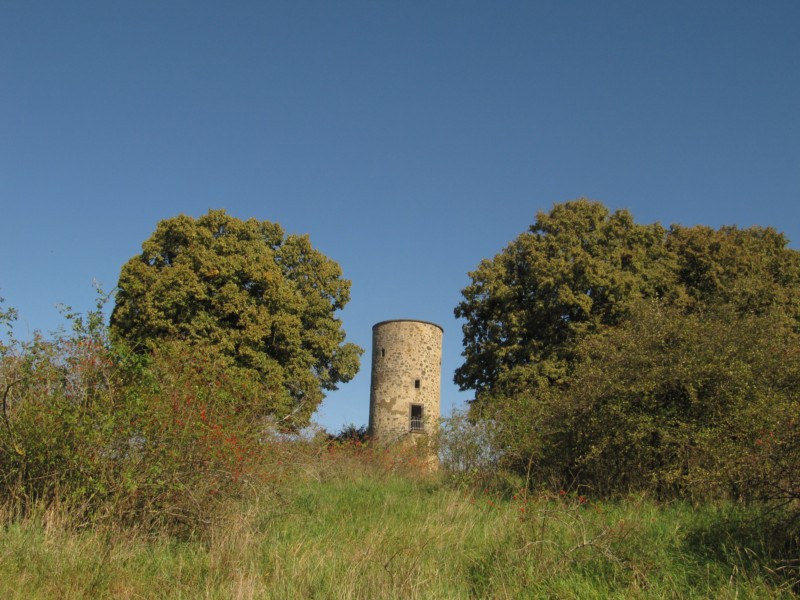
[468, 451]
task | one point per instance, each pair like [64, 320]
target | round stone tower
[406, 379]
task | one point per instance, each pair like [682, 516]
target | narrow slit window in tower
[417, 422]
[416, 384]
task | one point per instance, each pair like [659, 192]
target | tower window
[383, 352]
[416, 420]
[416, 384]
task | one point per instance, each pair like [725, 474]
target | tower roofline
[408, 321]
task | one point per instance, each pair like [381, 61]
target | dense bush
[153, 439]
[697, 405]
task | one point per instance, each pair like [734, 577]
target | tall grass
[357, 524]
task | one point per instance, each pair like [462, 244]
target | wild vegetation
[635, 430]
[619, 357]
[347, 521]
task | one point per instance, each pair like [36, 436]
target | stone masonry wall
[406, 371]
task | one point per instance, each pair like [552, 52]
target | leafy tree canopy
[242, 290]
[577, 270]
[625, 356]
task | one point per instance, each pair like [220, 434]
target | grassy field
[340, 529]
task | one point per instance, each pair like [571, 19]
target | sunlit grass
[341, 531]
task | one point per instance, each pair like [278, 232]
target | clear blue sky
[408, 139]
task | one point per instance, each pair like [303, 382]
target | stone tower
[406, 379]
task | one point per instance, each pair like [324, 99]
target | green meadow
[341, 524]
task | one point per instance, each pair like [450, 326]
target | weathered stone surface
[406, 373]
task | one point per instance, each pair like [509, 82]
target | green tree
[750, 269]
[242, 291]
[577, 375]
[577, 270]
[573, 272]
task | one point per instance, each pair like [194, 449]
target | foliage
[58, 403]
[194, 438]
[351, 434]
[692, 404]
[572, 273]
[469, 452]
[627, 356]
[243, 293]
[576, 272]
[154, 440]
[125, 473]
[750, 269]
